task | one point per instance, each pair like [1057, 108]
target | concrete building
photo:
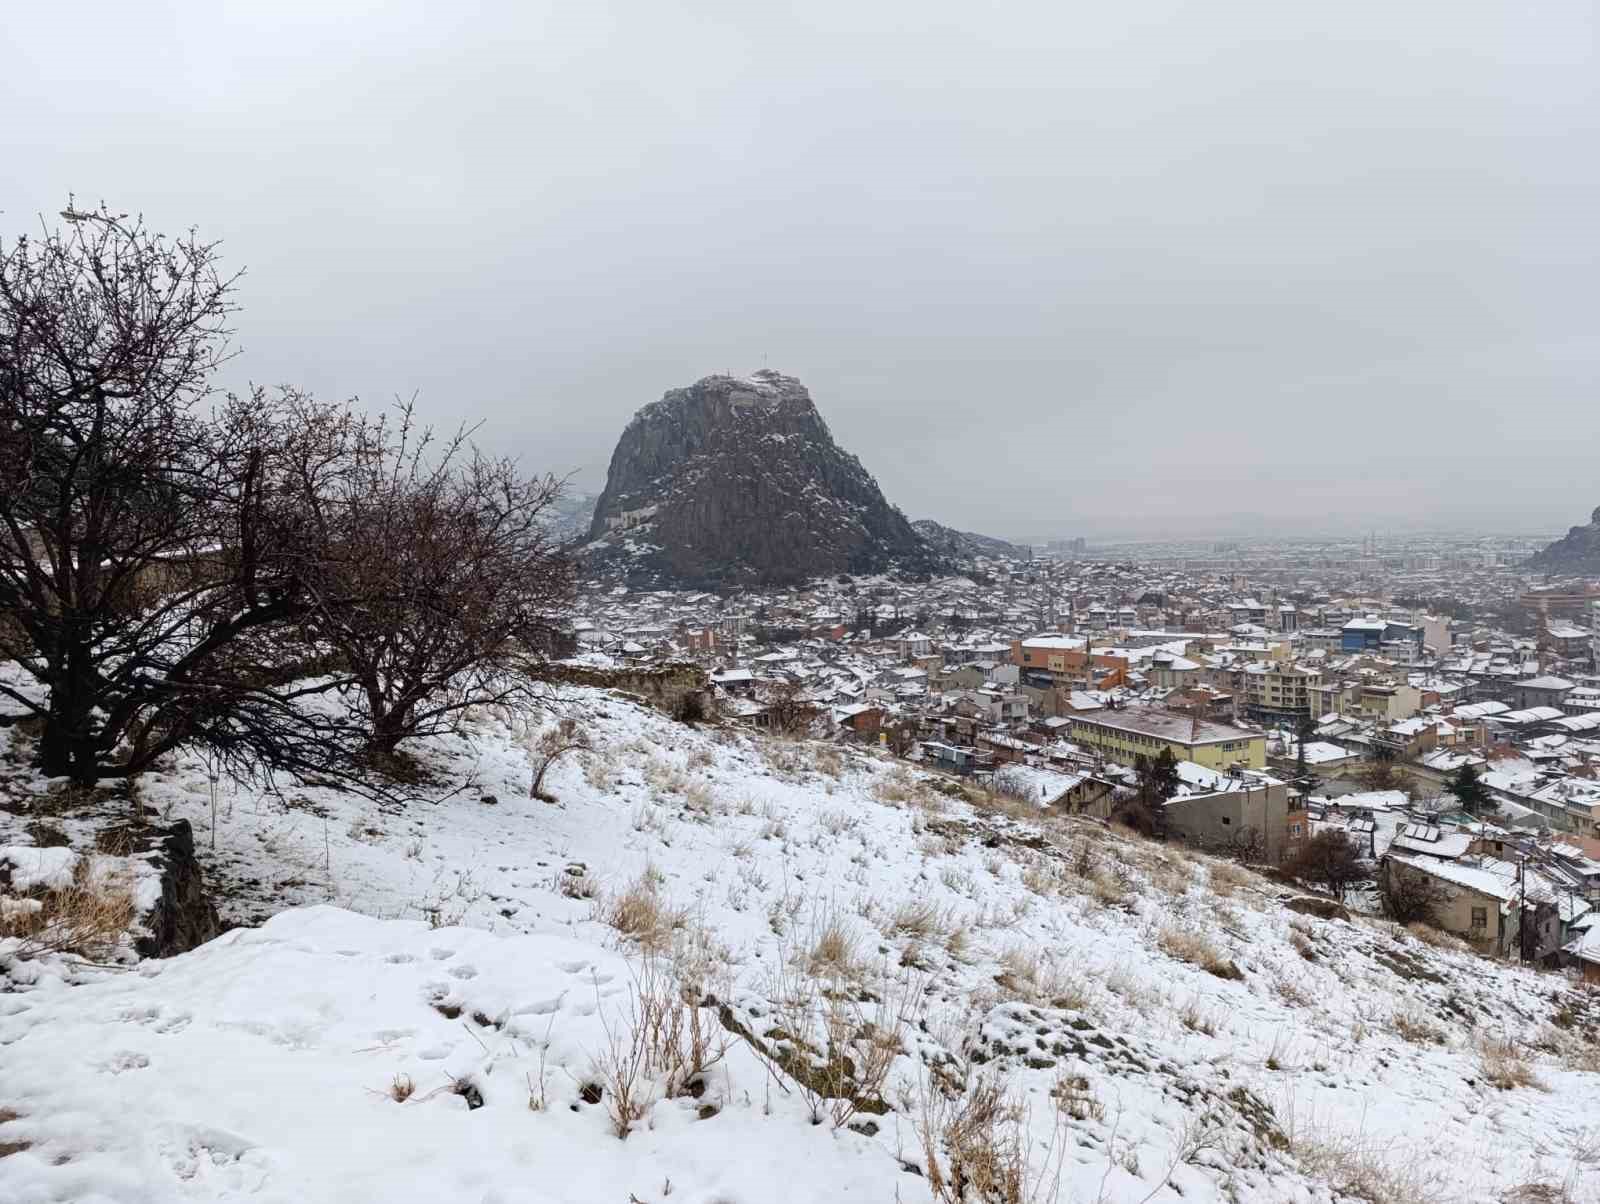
[1126, 734]
[1248, 813]
[1276, 693]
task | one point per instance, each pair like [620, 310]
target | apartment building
[1127, 734]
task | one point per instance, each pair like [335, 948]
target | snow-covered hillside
[441, 1002]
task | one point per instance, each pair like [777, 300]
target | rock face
[737, 479]
[184, 917]
[1577, 552]
[964, 545]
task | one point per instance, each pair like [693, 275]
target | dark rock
[184, 917]
[739, 480]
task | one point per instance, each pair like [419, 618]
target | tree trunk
[66, 746]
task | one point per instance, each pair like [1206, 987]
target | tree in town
[1410, 897]
[1305, 729]
[1157, 781]
[786, 710]
[1468, 787]
[1381, 773]
[1331, 860]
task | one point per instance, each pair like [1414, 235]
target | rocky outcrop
[1576, 552]
[184, 917]
[965, 545]
[738, 480]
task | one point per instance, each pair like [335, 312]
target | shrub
[1417, 1028]
[1503, 1064]
[88, 917]
[1192, 946]
[641, 915]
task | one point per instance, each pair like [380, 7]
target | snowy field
[442, 1000]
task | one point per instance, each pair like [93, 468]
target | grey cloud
[1047, 268]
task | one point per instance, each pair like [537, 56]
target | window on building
[1480, 918]
[1226, 821]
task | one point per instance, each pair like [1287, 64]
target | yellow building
[1126, 735]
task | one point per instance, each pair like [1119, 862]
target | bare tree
[787, 712]
[437, 578]
[549, 747]
[1410, 898]
[158, 559]
[1330, 859]
[138, 561]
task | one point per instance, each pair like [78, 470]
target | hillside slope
[1168, 1028]
[1578, 551]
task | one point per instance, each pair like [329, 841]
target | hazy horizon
[1207, 270]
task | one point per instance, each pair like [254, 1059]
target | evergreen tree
[1469, 790]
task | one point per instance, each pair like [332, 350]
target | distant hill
[965, 545]
[737, 479]
[1576, 552]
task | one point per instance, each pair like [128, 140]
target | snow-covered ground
[1166, 1028]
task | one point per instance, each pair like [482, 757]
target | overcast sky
[1046, 267]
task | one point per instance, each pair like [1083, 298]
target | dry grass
[1197, 1019]
[1227, 878]
[1076, 1098]
[827, 761]
[1044, 875]
[837, 822]
[666, 1043]
[1417, 1028]
[834, 947]
[1503, 1064]
[1302, 944]
[1375, 1171]
[919, 920]
[1107, 887]
[577, 885]
[1292, 992]
[976, 1144]
[89, 917]
[401, 1088]
[1192, 946]
[640, 914]
[1034, 976]
[1438, 938]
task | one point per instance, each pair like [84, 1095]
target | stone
[184, 917]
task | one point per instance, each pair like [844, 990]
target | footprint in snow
[573, 967]
[434, 1053]
[174, 1023]
[124, 1060]
[463, 972]
[399, 959]
[440, 955]
[543, 1007]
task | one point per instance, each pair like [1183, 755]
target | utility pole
[1522, 908]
